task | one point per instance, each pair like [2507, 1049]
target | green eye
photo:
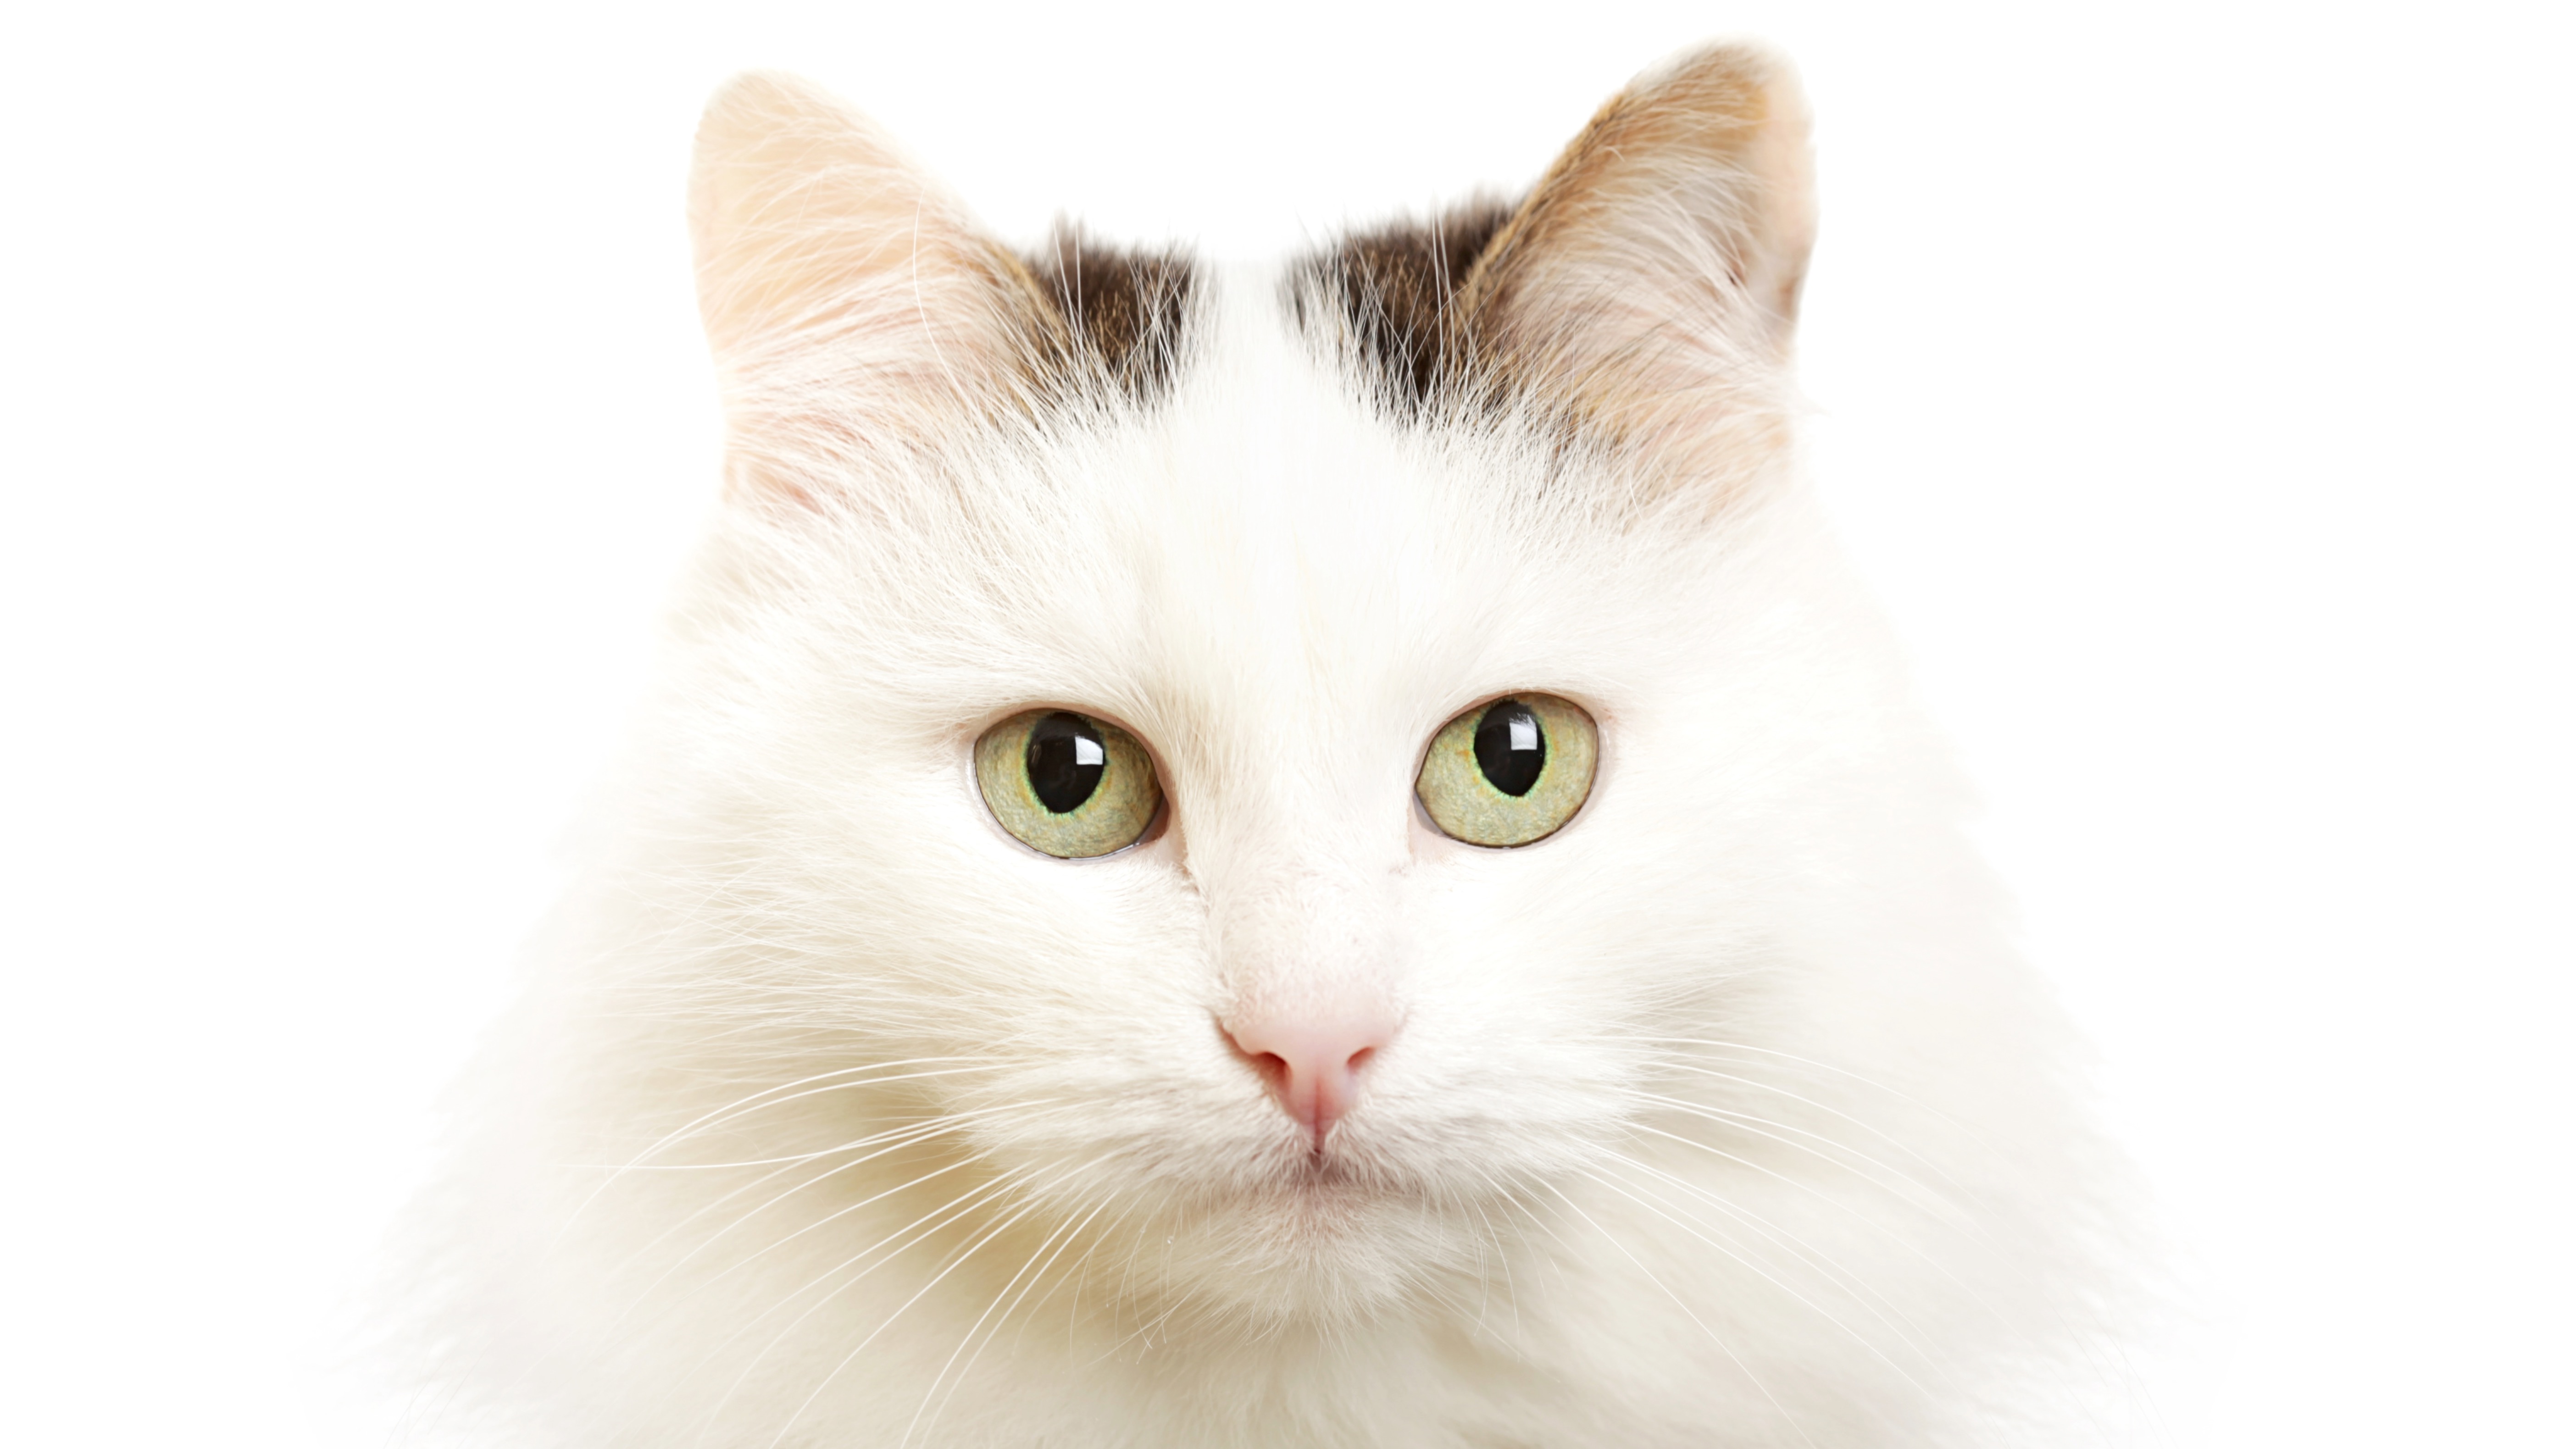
[1509, 772]
[1067, 784]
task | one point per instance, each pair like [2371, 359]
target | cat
[1320, 855]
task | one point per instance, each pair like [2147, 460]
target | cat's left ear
[1652, 277]
[851, 303]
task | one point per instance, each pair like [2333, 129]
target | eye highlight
[1067, 784]
[1509, 772]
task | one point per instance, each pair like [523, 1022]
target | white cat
[1318, 856]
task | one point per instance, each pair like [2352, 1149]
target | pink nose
[1312, 1063]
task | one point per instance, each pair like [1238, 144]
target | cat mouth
[1330, 1173]
[1323, 1168]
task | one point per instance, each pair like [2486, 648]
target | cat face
[1248, 808]
[1300, 1033]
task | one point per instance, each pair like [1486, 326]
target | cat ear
[1652, 276]
[851, 303]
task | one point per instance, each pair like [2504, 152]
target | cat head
[1253, 557]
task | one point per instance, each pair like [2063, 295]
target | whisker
[1801, 1299]
[1714, 1337]
[640, 1165]
[1068, 1234]
[1869, 1082]
[1774, 1087]
[936, 1279]
[1855, 1214]
[1082, 1266]
[1755, 1125]
[1954, 1217]
[1760, 1272]
[893, 1139]
[988, 1187]
[1502, 1250]
[918, 1229]
[1798, 1247]
[748, 1216]
[682, 1133]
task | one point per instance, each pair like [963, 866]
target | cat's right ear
[852, 305]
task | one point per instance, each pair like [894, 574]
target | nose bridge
[1295, 919]
[1302, 936]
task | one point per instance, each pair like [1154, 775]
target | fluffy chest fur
[836, 1115]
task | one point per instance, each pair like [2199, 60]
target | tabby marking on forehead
[1389, 293]
[1117, 315]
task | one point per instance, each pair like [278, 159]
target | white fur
[1724, 1116]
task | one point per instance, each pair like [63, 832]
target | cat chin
[1319, 1253]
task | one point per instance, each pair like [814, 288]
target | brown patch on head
[1394, 287]
[1112, 317]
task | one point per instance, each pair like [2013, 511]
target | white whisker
[884, 1250]
[936, 1279]
[1804, 1254]
[1068, 1234]
[1713, 1335]
[1931, 1200]
[753, 1102]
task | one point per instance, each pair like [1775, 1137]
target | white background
[2193, 381]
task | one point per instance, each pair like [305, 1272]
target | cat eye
[1509, 772]
[1067, 784]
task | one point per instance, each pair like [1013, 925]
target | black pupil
[1067, 758]
[1510, 747]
